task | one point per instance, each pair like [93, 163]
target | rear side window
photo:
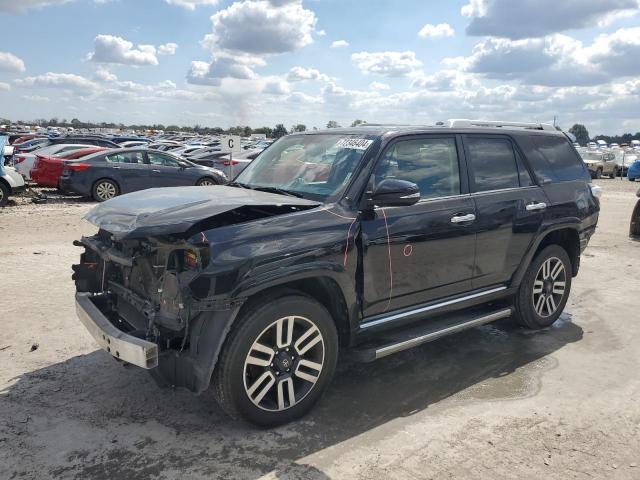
[130, 157]
[558, 159]
[493, 163]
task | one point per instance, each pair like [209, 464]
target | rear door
[167, 171]
[510, 207]
[423, 252]
[130, 170]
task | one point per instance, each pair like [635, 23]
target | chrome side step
[434, 335]
[428, 330]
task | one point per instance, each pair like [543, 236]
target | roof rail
[464, 123]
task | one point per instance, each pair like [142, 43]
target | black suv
[371, 239]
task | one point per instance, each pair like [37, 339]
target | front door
[167, 171]
[510, 207]
[420, 253]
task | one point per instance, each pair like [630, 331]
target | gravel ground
[493, 402]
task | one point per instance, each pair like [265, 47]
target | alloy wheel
[106, 190]
[284, 363]
[205, 183]
[549, 287]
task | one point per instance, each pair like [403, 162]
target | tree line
[582, 136]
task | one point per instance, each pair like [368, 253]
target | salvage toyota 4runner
[373, 239]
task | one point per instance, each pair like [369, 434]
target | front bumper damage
[119, 344]
[142, 309]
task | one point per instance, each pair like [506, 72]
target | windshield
[318, 167]
[591, 156]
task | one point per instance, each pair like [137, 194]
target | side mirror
[392, 192]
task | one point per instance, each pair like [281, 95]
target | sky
[262, 62]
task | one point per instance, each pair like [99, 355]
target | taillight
[77, 167]
[228, 163]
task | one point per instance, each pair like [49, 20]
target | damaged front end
[144, 300]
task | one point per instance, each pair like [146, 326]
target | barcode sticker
[354, 143]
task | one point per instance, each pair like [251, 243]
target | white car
[23, 162]
[11, 182]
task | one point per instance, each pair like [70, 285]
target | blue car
[634, 171]
[110, 173]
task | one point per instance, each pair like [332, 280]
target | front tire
[277, 361]
[206, 182]
[599, 173]
[4, 194]
[545, 288]
[613, 174]
[105, 189]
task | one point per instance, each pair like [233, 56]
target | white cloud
[112, 49]
[339, 44]
[298, 74]
[276, 87]
[21, 6]
[168, 49]
[192, 4]
[4, 87]
[104, 75]
[537, 18]
[262, 27]
[556, 60]
[35, 98]
[10, 63]
[212, 73]
[66, 81]
[390, 64]
[379, 86]
[321, 33]
[440, 30]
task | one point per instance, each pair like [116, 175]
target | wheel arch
[566, 236]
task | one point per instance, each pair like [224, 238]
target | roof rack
[464, 123]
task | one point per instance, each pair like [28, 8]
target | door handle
[470, 217]
[536, 206]
[155, 171]
[116, 168]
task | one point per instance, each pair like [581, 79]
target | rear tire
[105, 189]
[269, 376]
[4, 194]
[545, 288]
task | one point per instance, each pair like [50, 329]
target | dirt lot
[492, 402]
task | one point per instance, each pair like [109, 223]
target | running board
[428, 331]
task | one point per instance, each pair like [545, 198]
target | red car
[46, 170]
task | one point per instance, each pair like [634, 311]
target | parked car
[47, 169]
[86, 140]
[634, 228]
[133, 143]
[30, 145]
[634, 171]
[599, 163]
[11, 182]
[105, 175]
[238, 162]
[23, 162]
[372, 239]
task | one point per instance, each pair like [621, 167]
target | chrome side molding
[429, 308]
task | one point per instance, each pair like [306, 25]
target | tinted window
[164, 160]
[560, 158]
[493, 163]
[523, 173]
[430, 163]
[129, 157]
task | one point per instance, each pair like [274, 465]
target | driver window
[430, 163]
[162, 160]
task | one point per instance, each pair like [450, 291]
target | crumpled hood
[165, 211]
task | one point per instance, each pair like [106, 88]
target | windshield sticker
[354, 143]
